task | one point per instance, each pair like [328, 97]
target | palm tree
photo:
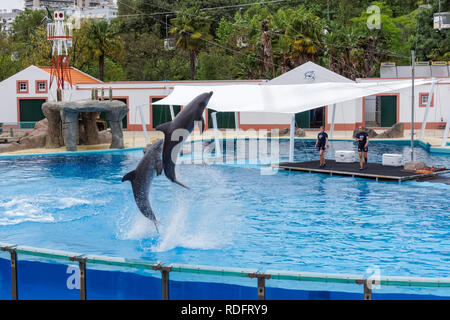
[102, 41]
[192, 30]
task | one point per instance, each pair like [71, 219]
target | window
[41, 86]
[22, 86]
[423, 100]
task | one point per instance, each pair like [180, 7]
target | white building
[384, 110]
[7, 19]
[23, 94]
[51, 4]
[102, 12]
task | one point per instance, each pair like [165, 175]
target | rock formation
[369, 131]
[396, 131]
[78, 125]
[287, 131]
[28, 140]
[88, 133]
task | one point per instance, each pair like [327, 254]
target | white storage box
[390, 159]
[345, 156]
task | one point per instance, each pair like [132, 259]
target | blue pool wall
[49, 281]
[401, 142]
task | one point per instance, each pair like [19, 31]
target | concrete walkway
[136, 139]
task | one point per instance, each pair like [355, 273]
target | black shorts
[362, 149]
[321, 147]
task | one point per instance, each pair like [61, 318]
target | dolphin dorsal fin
[164, 127]
[129, 176]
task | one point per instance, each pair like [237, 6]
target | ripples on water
[232, 216]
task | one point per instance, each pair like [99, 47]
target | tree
[103, 41]
[26, 23]
[192, 30]
[430, 44]
[215, 64]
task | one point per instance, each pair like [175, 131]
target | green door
[161, 113]
[388, 110]
[124, 120]
[30, 112]
[302, 120]
[225, 120]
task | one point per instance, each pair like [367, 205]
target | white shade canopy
[282, 98]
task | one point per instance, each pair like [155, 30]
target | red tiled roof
[76, 76]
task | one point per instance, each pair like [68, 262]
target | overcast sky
[11, 4]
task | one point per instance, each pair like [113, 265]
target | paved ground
[134, 139]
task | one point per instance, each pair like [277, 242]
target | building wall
[438, 113]
[140, 94]
[348, 115]
[10, 98]
[51, 4]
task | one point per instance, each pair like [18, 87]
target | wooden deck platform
[373, 171]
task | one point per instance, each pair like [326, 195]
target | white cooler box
[345, 156]
[394, 160]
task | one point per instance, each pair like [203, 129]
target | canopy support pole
[447, 127]
[144, 127]
[413, 62]
[236, 123]
[333, 113]
[424, 122]
[172, 113]
[291, 139]
[216, 135]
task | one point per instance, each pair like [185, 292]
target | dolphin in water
[141, 178]
[184, 120]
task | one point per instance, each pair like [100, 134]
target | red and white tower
[60, 33]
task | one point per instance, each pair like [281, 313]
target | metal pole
[447, 127]
[430, 99]
[261, 284]
[144, 127]
[332, 120]
[367, 290]
[164, 279]
[14, 283]
[216, 135]
[82, 267]
[236, 123]
[291, 139]
[172, 113]
[413, 61]
[165, 284]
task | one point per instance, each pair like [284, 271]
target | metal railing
[165, 270]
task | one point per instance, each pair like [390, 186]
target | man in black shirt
[322, 143]
[363, 140]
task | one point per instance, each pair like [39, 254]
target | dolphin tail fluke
[129, 176]
[181, 184]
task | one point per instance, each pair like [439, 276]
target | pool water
[233, 216]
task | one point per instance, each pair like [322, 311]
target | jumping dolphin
[184, 120]
[141, 178]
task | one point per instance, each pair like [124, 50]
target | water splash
[134, 226]
[19, 210]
